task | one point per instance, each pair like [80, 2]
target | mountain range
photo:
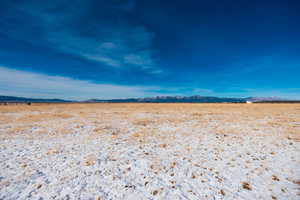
[158, 99]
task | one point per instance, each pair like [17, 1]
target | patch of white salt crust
[190, 163]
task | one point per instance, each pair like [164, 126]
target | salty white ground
[120, 157]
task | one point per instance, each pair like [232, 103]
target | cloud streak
[29, 84]
[111, 40]
[37, 85]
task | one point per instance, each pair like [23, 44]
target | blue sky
[137, 48]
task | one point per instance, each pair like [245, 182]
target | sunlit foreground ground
[150, 151]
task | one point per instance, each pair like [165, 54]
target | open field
[150, 151]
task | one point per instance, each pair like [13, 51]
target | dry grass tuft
[142, 122]
[275, 178]
[246, 186]
[297, 182]
[53, 151]
[90, 160]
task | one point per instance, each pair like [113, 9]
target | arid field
[150, 151]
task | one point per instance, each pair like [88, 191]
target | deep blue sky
[132, 48]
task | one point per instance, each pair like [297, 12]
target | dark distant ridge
[11, 99]
[158, 99]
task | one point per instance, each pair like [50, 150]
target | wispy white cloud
[121, 47]
[29, 84]
[111, 40]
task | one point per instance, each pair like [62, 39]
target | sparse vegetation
[187, 148]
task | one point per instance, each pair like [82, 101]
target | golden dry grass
[222, 118]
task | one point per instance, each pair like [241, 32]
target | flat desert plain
[150, 151]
